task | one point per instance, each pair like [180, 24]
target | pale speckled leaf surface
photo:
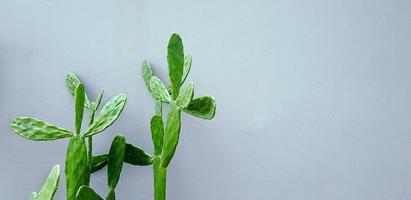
[79, 107]
[175, 60]
[147, 73]
[110, 112]
[158, 108]
[115, 160]
[203, 107]
[136, 156]
[77, 170]
[158, 90]
[35, 129]
[72, 82]
[50, 186]
[186, 95]
[87, 193]
[172, 134]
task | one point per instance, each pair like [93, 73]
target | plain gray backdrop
[313, 97]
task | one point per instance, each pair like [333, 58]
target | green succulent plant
[49, 187]
[80, 161]
[165, 137]
[79, 164]
[180, 97]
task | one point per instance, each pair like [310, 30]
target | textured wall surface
[314, 97]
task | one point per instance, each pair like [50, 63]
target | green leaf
[79, 106]
[203, 107]
[77, 170]
[72, 83]
[175, 59]
[186, 95]
[187, 66]
[115, 160]
[98, 162]
[147, 73]
[110, 112]
[158, 90]
[50, 186]
[157, 133]
[133, 155]
[172, 135]
[35, 129]
[136, 156]
[87, 193]
[98, 100]
[95, 106]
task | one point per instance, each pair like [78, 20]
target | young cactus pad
[78, 156]
[180, 96]
[50, 186]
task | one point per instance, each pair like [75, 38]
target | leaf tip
[56, 167]
[214, 108]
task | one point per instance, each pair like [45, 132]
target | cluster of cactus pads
[80, 161]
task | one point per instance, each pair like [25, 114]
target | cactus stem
[90, 141]
[160, 179]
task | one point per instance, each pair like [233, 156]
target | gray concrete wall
[314, 97]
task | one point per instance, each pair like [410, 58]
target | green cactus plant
[180, 98]
[165, 137]
[49, 187]
[79, 162]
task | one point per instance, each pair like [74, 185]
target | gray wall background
[314, 97]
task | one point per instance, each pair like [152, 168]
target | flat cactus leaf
[50, 186]
[136, 156]
[72, 83]
[133, 155]
[147, 73]
[158, 90]
[203, 107]
[175, 59]
[77, 170]
[98, 162]
[187, 66]
[115, 160]
[172, 134]
[87, 193]
[157, 133]
[110, 112]
[79, 106]
[35, 129]
[186, 95]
